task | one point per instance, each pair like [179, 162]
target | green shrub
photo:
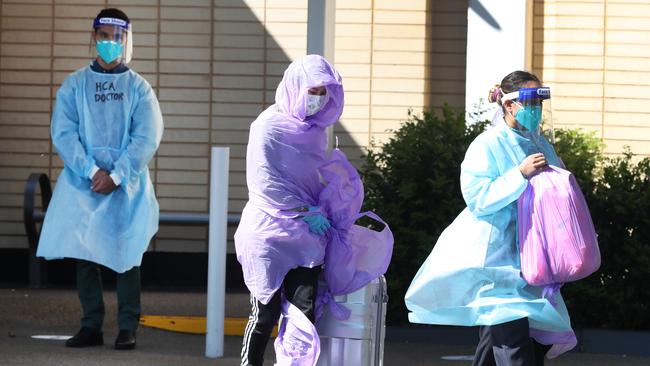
[618, 295]
[413, 183]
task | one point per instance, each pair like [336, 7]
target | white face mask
[315, 103]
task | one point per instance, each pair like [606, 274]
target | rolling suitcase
[359, 340]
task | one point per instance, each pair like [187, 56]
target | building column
[499, 41]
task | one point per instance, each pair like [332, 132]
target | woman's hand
[532, 165]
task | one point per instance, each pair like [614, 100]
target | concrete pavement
[24, 313]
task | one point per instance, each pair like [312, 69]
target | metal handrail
[31, 216]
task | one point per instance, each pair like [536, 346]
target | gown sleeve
[144, 137]
[65, 132]
[484, 188]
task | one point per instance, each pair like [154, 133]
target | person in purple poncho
[282, 236]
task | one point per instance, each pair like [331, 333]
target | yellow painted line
[194, 324]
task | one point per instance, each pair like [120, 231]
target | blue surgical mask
[109, 51]
[529, 116]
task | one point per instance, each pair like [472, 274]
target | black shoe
[125, 339]
[86, 337]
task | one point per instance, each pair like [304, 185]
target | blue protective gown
[112, 121]
[472, 276]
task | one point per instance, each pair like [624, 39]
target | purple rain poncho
[285, 150]
[287, 168]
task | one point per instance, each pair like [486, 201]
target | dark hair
[113, 13]
[512, 82]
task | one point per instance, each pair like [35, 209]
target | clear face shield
[113, 39]
[534, 113]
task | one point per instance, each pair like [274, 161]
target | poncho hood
[308, 72]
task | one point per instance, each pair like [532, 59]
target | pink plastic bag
[557, 240]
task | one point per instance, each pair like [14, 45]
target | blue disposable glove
[318, 224]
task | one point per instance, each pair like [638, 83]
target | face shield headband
[530, 101]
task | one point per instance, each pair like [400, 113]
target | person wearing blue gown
[106, 127]
[473, 275]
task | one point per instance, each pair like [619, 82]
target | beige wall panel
[181, 149]
[356, 84]
[404, 31]
[182, 191]
[25, 118]
[24, 91]
[356, 112]
[628, 92]
[355, 43]
[626, 105]
[616, 147]
[628, 23]
[592, 118]
[352, 125]
[239, 41]
[24, 160]
[9, 214]
[412, 5]
[400, 44]
[24, 10]
[569, 35]
[230, 138]
[399, 17]
[188, 122]
[628, 50]
[627, 64]
[22, 63]
[627, 119]
[569, 62]
[25, 77]
[184, 53]
[24, 105]
[357, 4]
[626, 9]
[236, 3]
[580, 90]
[17, 23]
[239, 14]
[184, 27]
[353, 16]
[187, 95]
[569, 21]
[184, 135]
[635, 37]
[238, 68]
[237, 110]
[569, 7]
[568, 48]
[627, 133]
[573, 76]
[398, 99]
[237, 28]
[26, 37]
[27, 146]
[15, 173]
[577, 104]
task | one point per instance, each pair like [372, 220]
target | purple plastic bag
[557, 239]
[297, 343]
[355, 255]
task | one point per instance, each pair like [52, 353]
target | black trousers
[89, 287]
[509, 344]
[299, 287]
